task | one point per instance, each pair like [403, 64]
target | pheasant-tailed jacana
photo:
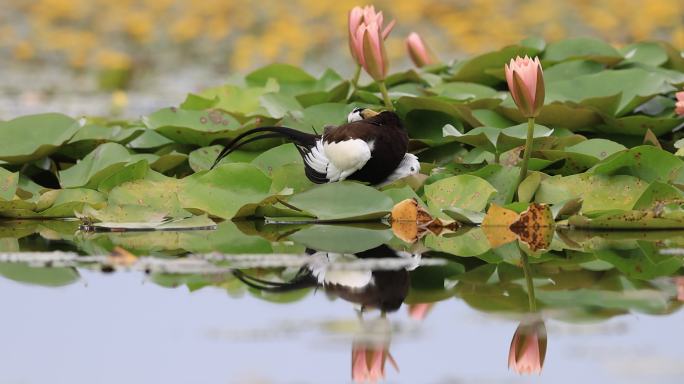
[372, 147]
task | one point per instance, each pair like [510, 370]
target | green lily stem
[528, 279]
[385, 95]
[527, 151]
[357, 75]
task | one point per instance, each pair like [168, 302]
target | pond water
[323, 303]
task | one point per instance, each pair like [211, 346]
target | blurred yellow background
[244, 34]
[160, 49]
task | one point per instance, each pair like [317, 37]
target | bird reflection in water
[375, 292]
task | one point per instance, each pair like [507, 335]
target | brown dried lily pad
[496, 225]
[411, 221]
[535, 227]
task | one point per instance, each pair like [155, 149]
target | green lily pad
[657, 193]
[637, 125]
[198, 103]
[649, 53]
[130, 172]
[344, 200]
[463, 91]
[149, 139]
[282, 73]
[243, 101]
[571, 69]
[636, 86]
[646, 162]
[65, 202]
[478, 69]
[279, 156]
[315, 118]
[98, 165]
[585, 48]
[462, 191]
[192, 127]
[502, 178]
[32, 137]
[223, 191]
[600, 192]
[8, 184]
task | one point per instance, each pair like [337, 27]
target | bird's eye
[413, 169]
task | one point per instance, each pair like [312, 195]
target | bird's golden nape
[367, 113]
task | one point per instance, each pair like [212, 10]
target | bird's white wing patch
[345, 157]
[316, 158]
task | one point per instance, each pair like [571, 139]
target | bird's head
[359, 114]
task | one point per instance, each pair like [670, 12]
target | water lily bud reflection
[525, 80]
[419, 311]
[528, 348]
[370, 350]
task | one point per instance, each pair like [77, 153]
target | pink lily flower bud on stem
[525, 80]
[418, 51]
[374, 55]
[359, 19]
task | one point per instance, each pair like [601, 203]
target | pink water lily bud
[679, 105]
[528, 348]
[368, 362]
[359, 20]
[525, 80]
[418, 51]
[374, 55]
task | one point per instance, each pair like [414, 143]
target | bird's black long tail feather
[302, 280]
[301, 140]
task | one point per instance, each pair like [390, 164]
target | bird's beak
[366, 113]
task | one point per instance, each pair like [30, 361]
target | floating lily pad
[462, 191]
[645, 162]
[582, 48]
[8, 184]
[191, 126]
[478, 69]
[599, 192]
[32, 137]
[98, 165]
[342, 201]
[224, 190]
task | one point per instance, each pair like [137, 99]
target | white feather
[317, 159]
[409, 165]
[345, 157]
[354, 115]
